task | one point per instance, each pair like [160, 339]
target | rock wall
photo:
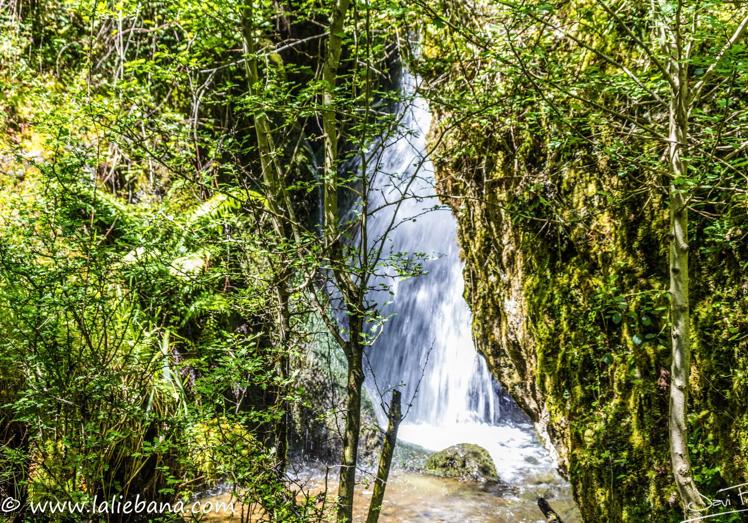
[563, 222]
[569, 302]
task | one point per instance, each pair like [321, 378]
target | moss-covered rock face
[465, 461]
[574, 324]
[565, 250]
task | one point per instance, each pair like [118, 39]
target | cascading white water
[425, 347]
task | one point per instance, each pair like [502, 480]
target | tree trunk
[354, 347]
[282, 218]
[679, 283]
[385, 459]
[352, 431]
[284, 313]
[329, 119]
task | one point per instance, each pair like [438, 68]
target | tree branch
[736, 36]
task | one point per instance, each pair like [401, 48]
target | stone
[466, 461]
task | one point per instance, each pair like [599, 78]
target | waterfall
[425, 347]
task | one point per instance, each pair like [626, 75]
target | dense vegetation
[182, 228]
[162, 279]
[558, 157]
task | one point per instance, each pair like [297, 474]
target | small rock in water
[465, 461]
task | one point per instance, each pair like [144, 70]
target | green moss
[592, 344]
[465, 461]
[575, 239]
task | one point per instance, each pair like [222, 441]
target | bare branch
[736, 36]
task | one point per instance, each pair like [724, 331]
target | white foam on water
[514, 448]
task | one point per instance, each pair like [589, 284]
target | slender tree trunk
[283, 364]
[548, 512]
[679, 284]
[385, 459]
[352, 431]
[329, 119]
[354, 349]
[282, 218]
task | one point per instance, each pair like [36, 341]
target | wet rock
[466, 461]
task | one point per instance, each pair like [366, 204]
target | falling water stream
[425, 347]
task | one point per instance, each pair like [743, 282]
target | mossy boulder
[465, 461]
